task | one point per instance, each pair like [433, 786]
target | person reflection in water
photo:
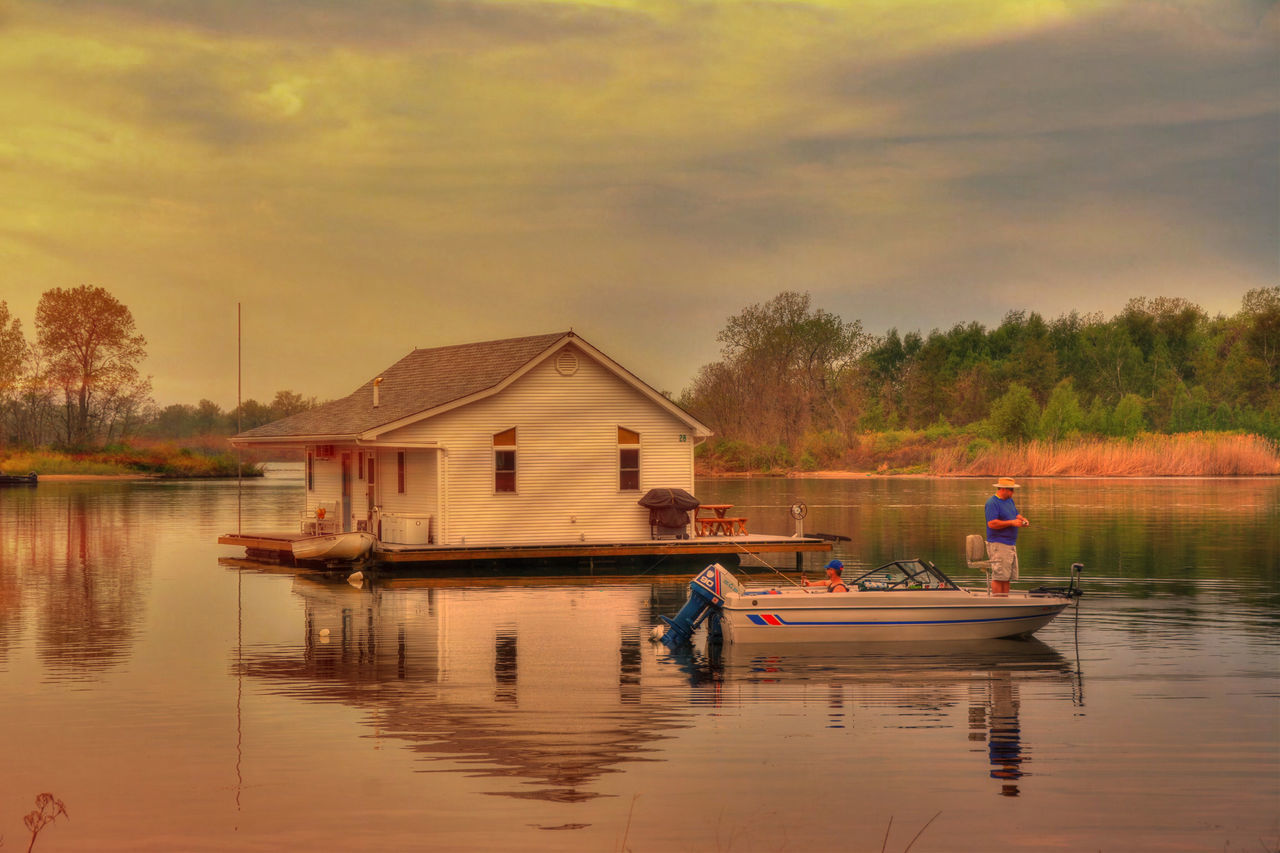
[833, 581]
[1004, 744]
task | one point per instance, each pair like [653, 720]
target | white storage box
[406, 528]
[415, 529]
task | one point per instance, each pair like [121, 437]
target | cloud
[418, 173]
[367, 24]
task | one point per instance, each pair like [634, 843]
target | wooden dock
[276, 547]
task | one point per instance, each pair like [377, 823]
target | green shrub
[769, 457]
[939, 430]
[1062, 415]
[826, 448]
[887, 442]
[1127, 419]
[733, 454]
[976, 447]
[1016, 416]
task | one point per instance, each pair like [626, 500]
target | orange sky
[369, 177]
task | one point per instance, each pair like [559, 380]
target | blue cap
[835, 564]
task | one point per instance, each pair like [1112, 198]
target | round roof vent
[567, 362]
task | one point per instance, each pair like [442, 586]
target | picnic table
[720, 523]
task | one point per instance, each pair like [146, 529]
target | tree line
[181, 420]
[804, 382]
[794, 379]
[77, 383]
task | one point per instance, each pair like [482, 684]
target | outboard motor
[706, 596]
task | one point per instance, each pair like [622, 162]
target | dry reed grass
[1181, 455]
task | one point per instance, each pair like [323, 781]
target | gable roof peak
[429, 380]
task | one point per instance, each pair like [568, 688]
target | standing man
[1003, 521]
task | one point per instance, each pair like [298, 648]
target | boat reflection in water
[900, 685]
[550, 686]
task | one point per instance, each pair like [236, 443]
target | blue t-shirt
[1004, 510]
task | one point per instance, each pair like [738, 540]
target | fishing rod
[1072, 589]
[767, 564]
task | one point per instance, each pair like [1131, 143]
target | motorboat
[908, 599]
[29, 479]
[334, 547]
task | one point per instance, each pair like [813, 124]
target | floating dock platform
[640, 555]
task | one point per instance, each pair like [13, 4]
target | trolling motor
[1072, 590]
[706, 596]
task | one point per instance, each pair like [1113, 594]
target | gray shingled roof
[424, 379]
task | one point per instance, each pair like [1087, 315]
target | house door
[346, 492]
[371, 479]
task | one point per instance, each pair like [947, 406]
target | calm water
[177, 699]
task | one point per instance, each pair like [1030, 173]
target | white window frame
[627, 446]
[513, 449]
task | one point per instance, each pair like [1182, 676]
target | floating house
[527, 447]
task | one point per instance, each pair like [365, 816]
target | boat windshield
[903, 574]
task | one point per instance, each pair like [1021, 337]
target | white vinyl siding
[326, 475]
[419, 482]
[568, 460]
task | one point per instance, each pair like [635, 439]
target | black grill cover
[668, 507]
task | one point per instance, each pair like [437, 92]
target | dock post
[800, 562]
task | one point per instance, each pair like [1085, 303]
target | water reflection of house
[555, 685]
[460, 673]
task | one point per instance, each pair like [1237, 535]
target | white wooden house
[525, 441]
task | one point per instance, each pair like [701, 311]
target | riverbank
[128, 463]
[924, 453]
[921, 453]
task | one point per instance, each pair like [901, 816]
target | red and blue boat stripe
[777, 620]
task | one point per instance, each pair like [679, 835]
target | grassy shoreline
[127, 463]
[922, 454]
[894, 454]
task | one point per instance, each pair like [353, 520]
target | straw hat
[1006, 483]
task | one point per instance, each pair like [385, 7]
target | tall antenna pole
[239, 414]
[239, 578]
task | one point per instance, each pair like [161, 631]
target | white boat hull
[334, 546]
[934, 615]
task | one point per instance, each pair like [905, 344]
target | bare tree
[290, 403]
[31, 413]
[790, 362]
[13, 348]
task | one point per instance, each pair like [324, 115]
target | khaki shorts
[1004, 561]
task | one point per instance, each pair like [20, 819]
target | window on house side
[504, 461]
[628, 460]
[400, 471]
[311, 480]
